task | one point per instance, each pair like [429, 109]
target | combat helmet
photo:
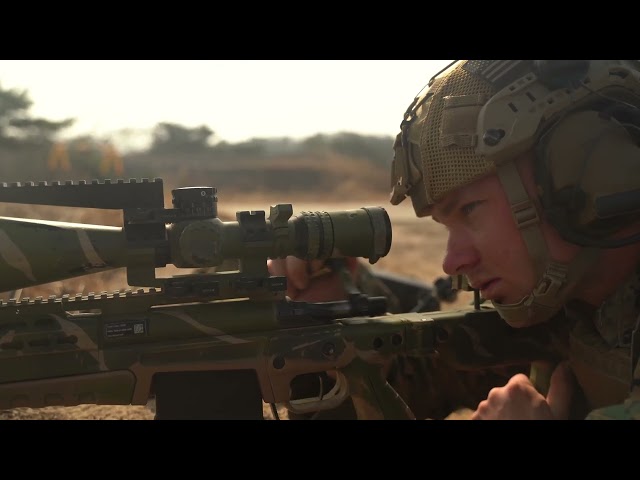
[581, 118]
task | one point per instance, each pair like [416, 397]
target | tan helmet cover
[479, 113]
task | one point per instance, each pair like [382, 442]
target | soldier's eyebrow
[446, 208]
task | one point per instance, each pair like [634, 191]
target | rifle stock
[110, 347]
[111, 358]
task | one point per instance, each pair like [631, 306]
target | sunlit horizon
[240, 100]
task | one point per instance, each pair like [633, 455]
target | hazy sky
[237, 99]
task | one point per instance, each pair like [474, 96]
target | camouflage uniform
[603, 352]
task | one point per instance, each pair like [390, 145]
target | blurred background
[243, 126]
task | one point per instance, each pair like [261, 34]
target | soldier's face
[484, 242]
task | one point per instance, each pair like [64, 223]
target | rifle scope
[190, 235]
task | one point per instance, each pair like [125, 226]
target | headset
[566, 207]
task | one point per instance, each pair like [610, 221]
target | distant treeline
[31, 149]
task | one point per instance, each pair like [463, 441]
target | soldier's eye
[467, 208]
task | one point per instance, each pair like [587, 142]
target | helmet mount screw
[493, 136]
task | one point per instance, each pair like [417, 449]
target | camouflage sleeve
[366, 282]
[628, 410]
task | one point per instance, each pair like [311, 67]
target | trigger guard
[334, 398]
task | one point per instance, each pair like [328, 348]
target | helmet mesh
[447, 168]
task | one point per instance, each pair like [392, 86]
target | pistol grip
[540, 375]
[373, 397]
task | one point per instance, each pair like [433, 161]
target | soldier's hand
[519, 399]
[311, 281]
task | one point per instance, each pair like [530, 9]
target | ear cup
[561, 73]
[588, 174]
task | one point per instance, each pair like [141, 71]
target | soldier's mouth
[488, 290]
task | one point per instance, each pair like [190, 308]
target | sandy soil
[417, 249]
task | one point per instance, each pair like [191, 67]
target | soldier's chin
[508, 301]
[499, 299]
[497, 292]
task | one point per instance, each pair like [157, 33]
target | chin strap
[550, 294]
[556, 279]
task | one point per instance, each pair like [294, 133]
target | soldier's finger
[277, 267]
[297, 272]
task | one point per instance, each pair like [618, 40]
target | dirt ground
[417, 249]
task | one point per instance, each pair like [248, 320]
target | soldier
[533, 167]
